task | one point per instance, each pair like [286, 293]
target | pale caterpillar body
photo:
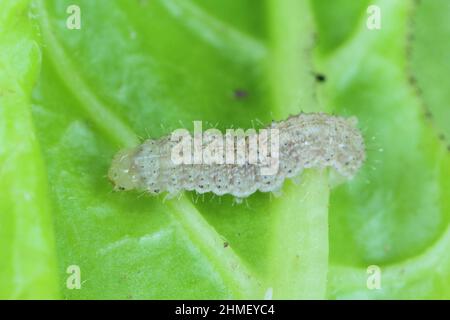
[307, 140]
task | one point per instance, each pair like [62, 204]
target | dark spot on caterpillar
[240, 94]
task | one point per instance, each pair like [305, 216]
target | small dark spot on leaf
[240, 94]
[225, 244]
[320, 77]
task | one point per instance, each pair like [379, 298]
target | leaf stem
[240, 281]
[299, 249]
[290, 68]
[299, 260]
[219, 34]
[103, 118]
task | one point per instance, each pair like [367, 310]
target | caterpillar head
[121, 171]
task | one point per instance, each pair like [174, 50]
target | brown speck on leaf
[225, 244]
[240, 94]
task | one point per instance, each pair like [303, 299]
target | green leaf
[395, 214]
[27, 256]
[428, 62]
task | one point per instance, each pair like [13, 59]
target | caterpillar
[307, 140]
